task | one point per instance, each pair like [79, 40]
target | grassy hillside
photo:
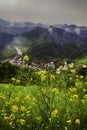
[49, 100]
[7, 52]
[81, 61]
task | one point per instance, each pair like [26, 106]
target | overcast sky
[45, 11]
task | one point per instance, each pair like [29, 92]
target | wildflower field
[45, 100]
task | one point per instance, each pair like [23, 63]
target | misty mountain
[57, 35]
[42, 42]
[79, 30]
[17, 27]
[5, 39]
[50, 43]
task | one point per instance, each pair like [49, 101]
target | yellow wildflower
[54, 90]
[77, 121]
[43, 90]
[85, 96]
[71, 65]
[14, 108]
[52, 77]
[81, 77]
[2, 111]
[22, 108]
[72, 89]
[66, 128]
[4, 114]
[17, 99]
[76, 84]
[77, 76]
[11, 124]
[54, 112]
[7, 103]
[70, 78]
[6, 117]
[60, 67]
[1, 96]
[41, 72]
[83, 101]
[75, 96]
[27, 97]
[13, 79]
[43, 77]
[18, 81]
[68, 121]
[84, 90]
[22, 115]
[50, 119]
[22, 121]
[71, 99]
[26, 58]
[12, 116]
[86, 83]
[28, 113]
[72, 70]
[38, 118]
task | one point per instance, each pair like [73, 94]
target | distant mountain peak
[50, 29]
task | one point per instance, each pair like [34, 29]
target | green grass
[46, 101]
[81, 61]
[7, 52]
[43, 108]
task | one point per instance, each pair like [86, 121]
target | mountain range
[42, 42]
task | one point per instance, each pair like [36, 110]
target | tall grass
[48, 100]
[43, 108]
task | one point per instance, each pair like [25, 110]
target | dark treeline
[7, 71]
[26, 74]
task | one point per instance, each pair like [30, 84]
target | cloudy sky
[45, 11]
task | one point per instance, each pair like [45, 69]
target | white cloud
[77, 30]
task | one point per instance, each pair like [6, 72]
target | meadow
[45, 100]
